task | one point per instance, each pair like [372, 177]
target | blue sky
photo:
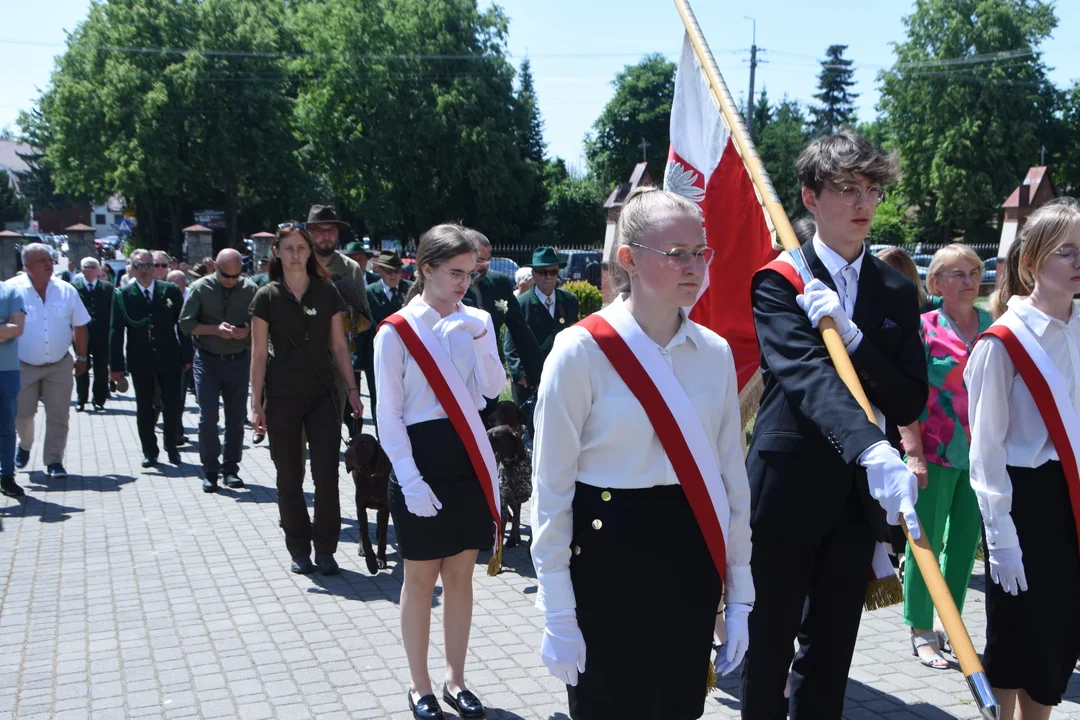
[577, 47]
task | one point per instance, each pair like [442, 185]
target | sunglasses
[546, 273]
[292, 226]
[141, 266]
[227, 276]
[161, 265]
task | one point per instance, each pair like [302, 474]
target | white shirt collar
[688, 330]
[142, 290]
[832, 260]
[1036, 319]
[387, 290]
[542, 296]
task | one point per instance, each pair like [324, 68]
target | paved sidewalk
[127, 593]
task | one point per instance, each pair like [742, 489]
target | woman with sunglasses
[436, 362]
[613, 488]
[298, 313]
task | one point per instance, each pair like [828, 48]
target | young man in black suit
[97, 295]
[823, 478]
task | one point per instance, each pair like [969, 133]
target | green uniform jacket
[154, 340]
[543, 326]
[381, 308]
[496, 290]
[99, 304]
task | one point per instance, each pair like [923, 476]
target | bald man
[216, 314]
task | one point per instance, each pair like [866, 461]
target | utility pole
[644, 149]
[753, 67]
[1042, 155]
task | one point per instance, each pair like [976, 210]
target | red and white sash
[673, 417]
[456, 400]
[1051, 394]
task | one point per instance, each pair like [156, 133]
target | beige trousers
[52, 384]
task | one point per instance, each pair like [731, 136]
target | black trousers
[98, 354]
[146, 415]
[814, 591]
[288, 422]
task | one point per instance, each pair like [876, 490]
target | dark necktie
[393, 296]
[146, 294]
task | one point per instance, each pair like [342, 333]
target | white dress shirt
[406, 398]
[1006, 426]
[845, 276]
[591, 429]
[47, 332]
[544, 300]
[387, 290]
[143, 290]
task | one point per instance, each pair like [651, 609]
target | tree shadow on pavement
[42, 482]
[47, 512]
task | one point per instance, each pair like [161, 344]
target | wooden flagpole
[924, 556]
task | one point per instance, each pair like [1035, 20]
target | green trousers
[950, 518]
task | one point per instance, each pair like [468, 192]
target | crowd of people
[637, 440]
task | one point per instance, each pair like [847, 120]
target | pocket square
[888, 324]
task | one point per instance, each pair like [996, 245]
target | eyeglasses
[161, 265]
[388, 270]
[460, 275]
[852, 195]
[1068, 253]
[546, 273]
[227, 276]
[960, 275]
[292, 226]
[680, 258]
[141, 266]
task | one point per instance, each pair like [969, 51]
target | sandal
[943, 642]
[932, 660]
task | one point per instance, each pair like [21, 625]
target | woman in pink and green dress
[937, 445]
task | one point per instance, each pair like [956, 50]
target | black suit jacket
[154, 340]
[381, 308]
[543, 326]
[99, 304]
[487, 294]
[809, 431]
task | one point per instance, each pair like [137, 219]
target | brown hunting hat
[324, 215]
[389, 259]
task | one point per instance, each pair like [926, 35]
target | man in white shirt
[54, 315]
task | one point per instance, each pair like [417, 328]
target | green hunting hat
[544, 256]
[389, 259]
[354, 248]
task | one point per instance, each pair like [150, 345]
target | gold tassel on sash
[710, 681]
[884, 592]
[495, 564]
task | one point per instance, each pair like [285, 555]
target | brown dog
[515, 477]
[370, 468]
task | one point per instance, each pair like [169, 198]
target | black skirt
[1033, 639]
[648, 635]
[464, 522]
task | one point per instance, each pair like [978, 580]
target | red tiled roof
[197, 229]
[1034, 178]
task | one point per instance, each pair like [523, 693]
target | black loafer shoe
[234, 482]
[427, 708]
[326, 564]
[22, 457]
[80, 407]
[209, 485]
[149, 462]
[465, 704]
[9, 487]
[302, 565]
[174, 457]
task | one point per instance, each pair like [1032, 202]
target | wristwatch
[80, 358]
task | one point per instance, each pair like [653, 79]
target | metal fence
[985, 250]
[521, 253]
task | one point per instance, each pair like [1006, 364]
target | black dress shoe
[174, 457]
[148, 462]
[99, 407]
[233, 481]
[80, 407]
[427, 708]
[301, 565]
[9, 487]
[325, 564]
[209, 485]
[465, 704]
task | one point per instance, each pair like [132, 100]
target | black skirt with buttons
[648, 635]
[464, 522]
[1033, 639]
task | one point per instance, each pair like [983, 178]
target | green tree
[878, 132]
[967, 102]
[763, 115]
[575, 215]
[533, 146]
[837, 106]
[407, 114]
[1065, 158]
[12, 207]
[640, 109]
[781, 142]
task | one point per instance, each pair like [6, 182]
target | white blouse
[590, 428]
[404, 395]
[1006, 426]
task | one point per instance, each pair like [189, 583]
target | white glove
[420, 499]
[563, 647]
[460, 320]
[737, 632]
[1007, 569]
[818, 301]
[892, 484]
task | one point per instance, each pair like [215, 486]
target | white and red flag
[705, 166]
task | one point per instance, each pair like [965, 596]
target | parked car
[922, 264]
[504, 265]
[576, 262]
[990, 271]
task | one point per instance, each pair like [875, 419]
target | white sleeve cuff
[739, 585]
[1001, 533]
[556, 592]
